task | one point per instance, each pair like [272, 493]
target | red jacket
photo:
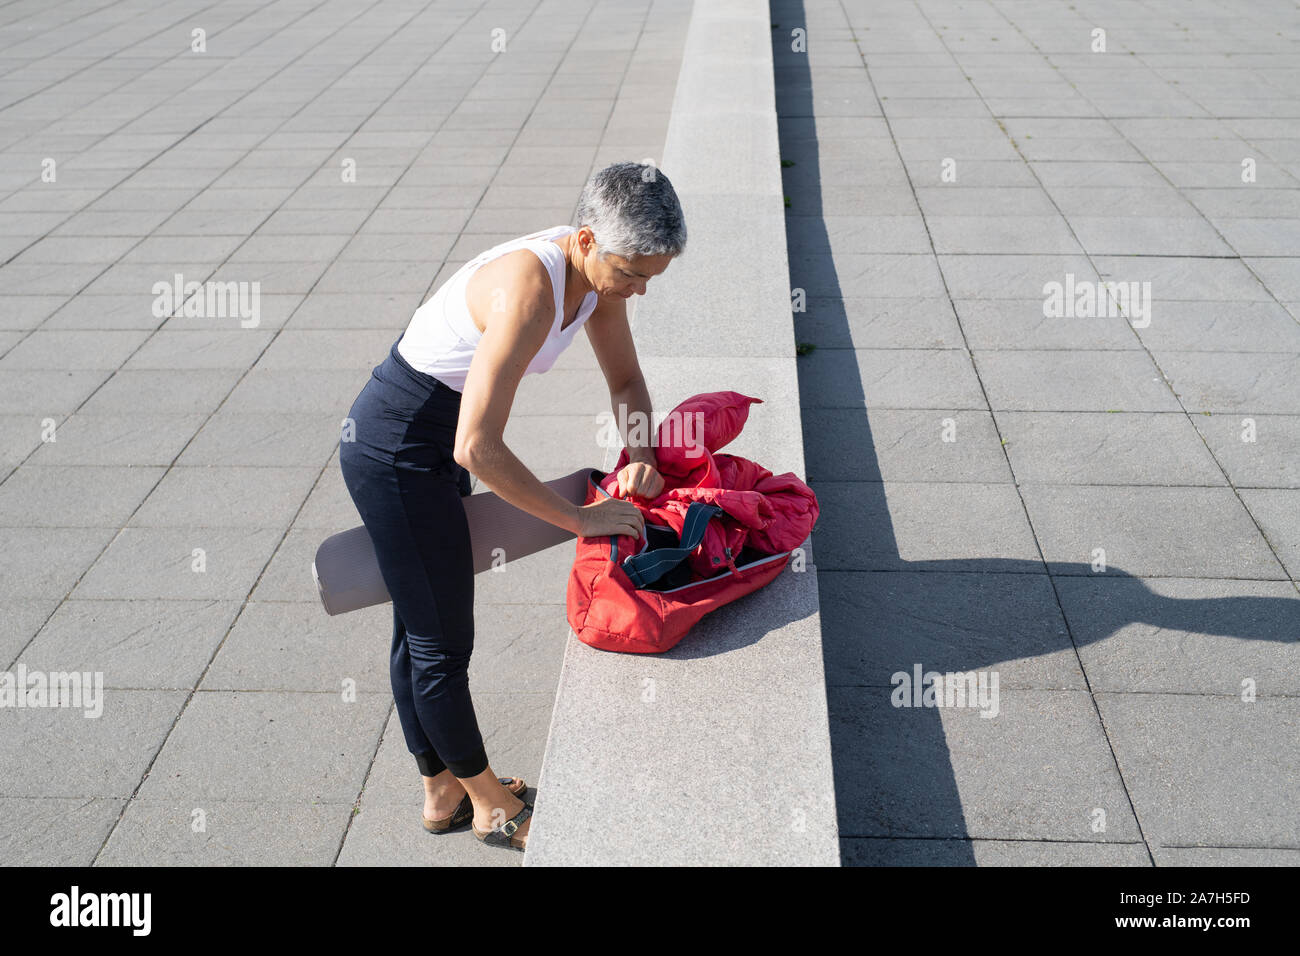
[769, 513]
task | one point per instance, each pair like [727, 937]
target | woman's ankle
[502, 808]
[441, 784]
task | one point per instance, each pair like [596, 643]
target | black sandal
[504, 835]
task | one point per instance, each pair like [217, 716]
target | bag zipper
[718, 577]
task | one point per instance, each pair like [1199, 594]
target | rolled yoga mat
[347, 572]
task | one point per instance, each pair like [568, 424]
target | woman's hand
[640, 478]
[610, 516]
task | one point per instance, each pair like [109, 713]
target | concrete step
[717, 752]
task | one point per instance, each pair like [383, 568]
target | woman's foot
[442, 795]
[507, 808]
[442, 809]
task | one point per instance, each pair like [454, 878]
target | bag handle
[649, 566]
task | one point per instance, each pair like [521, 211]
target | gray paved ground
[226, 735]
[1123, 735]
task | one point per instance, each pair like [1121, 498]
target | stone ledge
[717, 752]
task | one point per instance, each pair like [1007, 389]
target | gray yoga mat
[347, 572]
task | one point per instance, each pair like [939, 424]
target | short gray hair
[632, 210]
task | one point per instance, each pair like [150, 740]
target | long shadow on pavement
[894, 777]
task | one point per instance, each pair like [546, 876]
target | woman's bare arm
[513, 297]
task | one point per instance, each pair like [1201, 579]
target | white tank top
[441, 336]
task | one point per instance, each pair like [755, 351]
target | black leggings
[407, 487]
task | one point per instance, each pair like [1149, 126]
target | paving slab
[209, 496]
[61, 496]
[346, 310]
[1040, 768]
[133, 644]
[67, 752]
[997, 324]
[863, 274]
[1098, 448]
[313, 739]
[73, 350]
[263, 439]
[1075, 380]
[1141, 532]
[22, 618]
[1232, 783]
[1222, 327]
[162, 392]
[889, 378]
[280, 646]
[1186, 278]
[1184, 635]
[903, 445]
[1234, 382]
[1003, 276]
[1260, 451]
[1148, 236]
[203, 831]
[880, 624]
[877, 323]
[179, 563]
[1277, 512]
[924, 526]
[904, 852]
[32, 393]
[56, 831]
[48, 562]
[995, 234]
[266, 390]
[178, 347]
[1224, 856]
[25, 312]
[1280, 274]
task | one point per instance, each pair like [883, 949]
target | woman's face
[628, 277]
[614, 276]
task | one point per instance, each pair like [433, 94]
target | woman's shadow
[894, 777]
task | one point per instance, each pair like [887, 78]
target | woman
[435, 410]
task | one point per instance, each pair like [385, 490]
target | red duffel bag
[722, 528]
